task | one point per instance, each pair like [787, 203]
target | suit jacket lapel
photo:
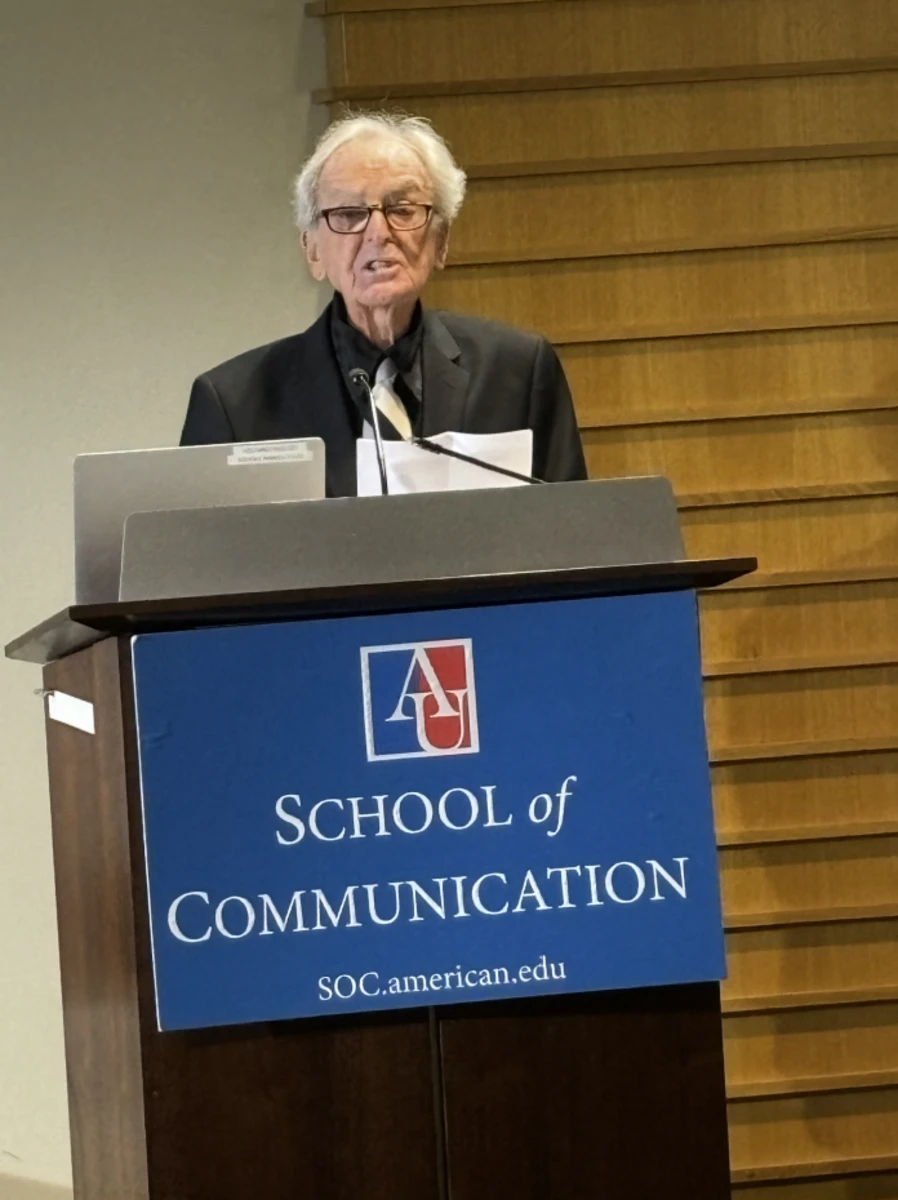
[444, 379]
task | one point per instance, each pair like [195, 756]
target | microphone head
[359, 377]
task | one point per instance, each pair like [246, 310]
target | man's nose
[378, 228]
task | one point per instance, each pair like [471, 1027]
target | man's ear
[442, 247]
[313, 258]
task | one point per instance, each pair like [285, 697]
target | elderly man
[374, 205]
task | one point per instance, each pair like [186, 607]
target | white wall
[146, 148]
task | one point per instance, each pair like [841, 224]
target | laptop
[109, 487]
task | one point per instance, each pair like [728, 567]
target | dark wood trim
[143, 616]
[384, 92]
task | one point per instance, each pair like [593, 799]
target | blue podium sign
[426, 808]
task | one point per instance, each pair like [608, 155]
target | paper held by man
[412, 468]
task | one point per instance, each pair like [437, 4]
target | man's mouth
[380, 264]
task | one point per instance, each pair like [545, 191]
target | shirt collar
[355, 350]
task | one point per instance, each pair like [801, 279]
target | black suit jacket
[478, 377]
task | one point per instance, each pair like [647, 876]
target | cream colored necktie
[388, 402]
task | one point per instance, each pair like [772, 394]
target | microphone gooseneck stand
[360, 379]
[436, 448]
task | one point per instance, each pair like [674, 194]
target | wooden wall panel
[640, 382]
[806, 796]
[839, 534]
[799, 878]
[812, 1130]
[694, 199]
[582, 37]
[716, 291]
[493, 134]
[808, 706]
[753, 453]
[777, 625]
[631, 212]
[811, 1047]
[803, 962]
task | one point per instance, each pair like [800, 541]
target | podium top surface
[78, 626]
[240, 564]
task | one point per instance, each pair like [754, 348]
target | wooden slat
[766, 752]
[504, 131]
[765, 581]
[799, 1134]
[677, 294]
[787, 494]
[766, 452]
[865, 1187]
[582, 37]
[680, 160]
[837, 914]
[811, 961]
[404, 89]
[822, 535]
[845, 1167]
[806, 797]
[809, 879]
[791, 1001]
[811, 1085]
[777, 625]
[323, 8]
[813, 706]
[818, 370]
[811, 1050]
[633, 212]
[740, 667]
[843, 831]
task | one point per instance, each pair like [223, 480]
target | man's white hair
[447, 177]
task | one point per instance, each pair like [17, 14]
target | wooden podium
[613, 1094]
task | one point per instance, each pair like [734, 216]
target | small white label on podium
[71, 711]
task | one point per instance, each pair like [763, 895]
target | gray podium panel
[386, 539]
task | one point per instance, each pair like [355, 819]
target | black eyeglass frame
[372, 208]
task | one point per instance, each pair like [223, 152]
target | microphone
[360, 379]
[436, 448]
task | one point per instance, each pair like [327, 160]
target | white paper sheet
[410, 468]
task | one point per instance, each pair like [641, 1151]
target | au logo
[419, 700]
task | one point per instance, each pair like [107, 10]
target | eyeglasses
[354, 218]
